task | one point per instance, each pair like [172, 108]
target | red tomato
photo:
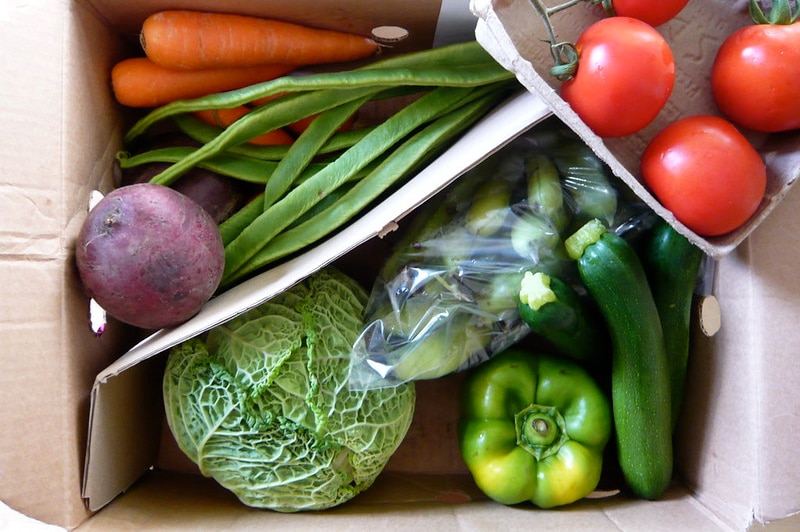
[706, 172]
[625, 75]
[654, 12]
[755, 78]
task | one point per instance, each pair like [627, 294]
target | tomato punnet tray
[516, 36]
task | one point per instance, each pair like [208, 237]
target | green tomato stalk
[565, 56]
[779, 13]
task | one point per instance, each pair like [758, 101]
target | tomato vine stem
[565, 56]
[780, 12]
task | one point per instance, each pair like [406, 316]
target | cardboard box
[735, 461]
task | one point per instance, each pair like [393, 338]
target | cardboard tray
[513, 32]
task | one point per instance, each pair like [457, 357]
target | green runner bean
[278, 113]
[228, 164]
[241, 219]
[432, 67]
[299, 86]
[203, 133]
[273, 220]
[400, 163]
[306, 146]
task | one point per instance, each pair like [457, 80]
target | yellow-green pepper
[533, 428]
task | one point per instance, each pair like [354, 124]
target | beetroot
[220, 195]
[150, 256]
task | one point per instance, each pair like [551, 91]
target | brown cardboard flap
[124, 433]
[446, 502]
[114, 422]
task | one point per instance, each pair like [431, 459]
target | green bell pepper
[533, 428]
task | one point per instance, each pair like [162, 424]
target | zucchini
[640, 390]
[556, 312]
[672, 264]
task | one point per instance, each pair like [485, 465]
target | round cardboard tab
[389, 34]
[710, 315]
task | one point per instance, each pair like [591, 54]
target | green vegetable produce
[533, 428]
[569, 321]
[640, 385]
[535, 236]
[262, 403]
[430, 341]
[545, 194]
[672, 264]
[460, 263]
[204, 133]
[587, 180]
[488, 212]
[453, 86]
[259, 244]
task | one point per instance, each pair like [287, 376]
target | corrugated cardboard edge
[188, 503]
[120, 444]
[493, 36]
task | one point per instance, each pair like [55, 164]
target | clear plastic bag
[447, 299]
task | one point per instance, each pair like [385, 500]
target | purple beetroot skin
[150, 256]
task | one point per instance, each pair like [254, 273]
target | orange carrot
[139, 82]
[301, 125]
[225, 117]
[195, 39]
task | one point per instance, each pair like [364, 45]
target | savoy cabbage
[262, 403]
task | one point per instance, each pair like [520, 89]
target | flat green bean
[230, 228]
[460, 75]
[403, 161]
[241, 219]
[463, 53]
[203, 133]
[279, 113]
[301, 198]
[306, 146]
[232, 165]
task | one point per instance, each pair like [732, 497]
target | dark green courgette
[557, 313]
[672, 263]
[640, 391]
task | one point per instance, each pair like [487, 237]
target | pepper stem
[541, 430]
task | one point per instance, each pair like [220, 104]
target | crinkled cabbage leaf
[262, 403]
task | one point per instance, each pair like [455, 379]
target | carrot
[196, 39]
[301, 125]
[226, 117]
[139, 82]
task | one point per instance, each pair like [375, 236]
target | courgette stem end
[535, 290]
[584, 237]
